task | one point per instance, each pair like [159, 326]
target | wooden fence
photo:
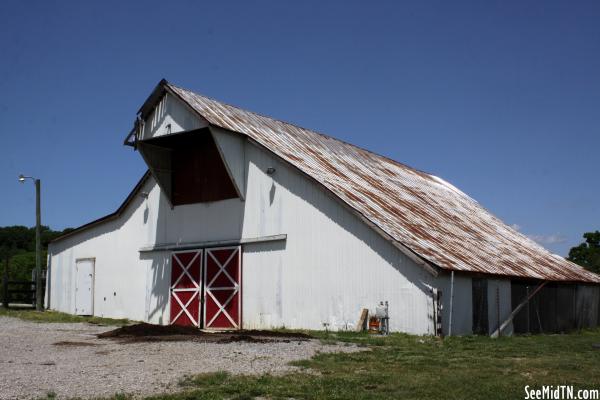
[20, 292]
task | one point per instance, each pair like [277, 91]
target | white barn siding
[232, 148]
[331, 262]
[330, 267]
[462, 305]
[170, 116]
[120, 285]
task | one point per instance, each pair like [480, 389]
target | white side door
[84, 287]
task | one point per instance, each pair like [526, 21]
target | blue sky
[502, 99]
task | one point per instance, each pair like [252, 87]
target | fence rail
[22, 292]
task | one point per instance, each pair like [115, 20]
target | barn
[246, 222]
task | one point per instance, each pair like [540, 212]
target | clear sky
[502, 99]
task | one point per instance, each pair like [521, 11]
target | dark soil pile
[143, 329]
[144, 332]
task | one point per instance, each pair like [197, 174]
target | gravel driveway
[68, 360]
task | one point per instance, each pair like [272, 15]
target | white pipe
[451, 302]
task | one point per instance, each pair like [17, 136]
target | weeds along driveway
[67, 359]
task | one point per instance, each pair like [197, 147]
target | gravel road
[68, 360]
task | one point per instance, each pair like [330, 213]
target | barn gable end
[169, 115]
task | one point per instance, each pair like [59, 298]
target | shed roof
[422, 212]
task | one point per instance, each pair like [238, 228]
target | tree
[18, 244]
[587, 254]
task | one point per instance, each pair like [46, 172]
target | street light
[38, 243]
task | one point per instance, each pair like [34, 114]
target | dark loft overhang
[188, 167]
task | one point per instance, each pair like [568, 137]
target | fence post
[5, 298]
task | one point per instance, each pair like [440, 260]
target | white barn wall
[330, 266]
[332, 262]
[120, 284]
[462, 305]
[170, 116]
[232, 148]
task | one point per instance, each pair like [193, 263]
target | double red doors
[205, 288]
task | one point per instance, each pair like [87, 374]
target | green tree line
[587, 254]
[17, 244]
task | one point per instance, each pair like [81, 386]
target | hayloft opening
[188, 166]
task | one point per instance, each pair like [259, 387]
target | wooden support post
[5, 296]
[362, 321]
[39, 301]
[503, 326]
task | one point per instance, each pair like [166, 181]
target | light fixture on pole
[39, 305]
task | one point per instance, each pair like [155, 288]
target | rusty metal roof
[424, 213]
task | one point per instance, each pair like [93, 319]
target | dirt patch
[143, 329]
[172, 333]
[76, 344]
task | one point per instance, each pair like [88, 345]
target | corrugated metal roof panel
[423, 212]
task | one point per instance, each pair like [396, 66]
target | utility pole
[5, 284]
[39, 302]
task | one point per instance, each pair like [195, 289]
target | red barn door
[222, 302]
[185, 287]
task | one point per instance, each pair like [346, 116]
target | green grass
[411, 367]
[402, 367]
[53, 316]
